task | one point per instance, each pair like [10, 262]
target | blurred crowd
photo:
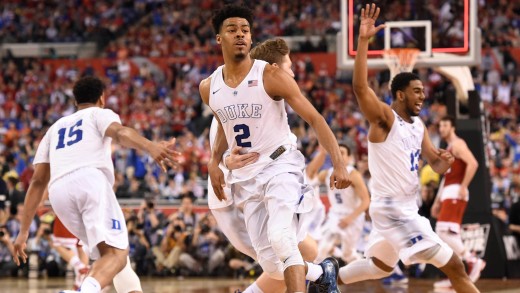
[34, 94]
[181, 28]
[67, 21]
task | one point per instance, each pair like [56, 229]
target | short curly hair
[401, 81]
[271, 51]
[88, 90]
[228, 11]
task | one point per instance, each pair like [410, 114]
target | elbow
[39, 182]
[366, 204]
[122, 133]
[359, 89]
[314, 120]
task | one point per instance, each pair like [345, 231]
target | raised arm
[219, 147]
[440, 160]
[375, 111]
[279, 84]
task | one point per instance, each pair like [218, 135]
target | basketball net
[400, 60]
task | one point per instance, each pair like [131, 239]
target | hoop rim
[399, 51]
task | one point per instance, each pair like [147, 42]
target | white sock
[75, 262]
[253, 288]
[90, 285]
[314, 271]
[398, 270]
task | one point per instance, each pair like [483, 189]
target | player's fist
[339, 178]
[445, 156]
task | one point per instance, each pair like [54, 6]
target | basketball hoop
[400, 60]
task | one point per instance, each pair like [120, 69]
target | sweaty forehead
[235, 21]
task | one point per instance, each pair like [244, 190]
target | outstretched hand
[19, 248]
[367, 28]
[164, 154]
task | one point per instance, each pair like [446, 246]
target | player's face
[286, 65]
[445, 129]
[235, 37]
[344, 154]
[413, 97]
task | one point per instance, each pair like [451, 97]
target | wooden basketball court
[219, 285]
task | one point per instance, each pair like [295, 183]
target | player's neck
[233, 67]
[451, 138]
[402, 112]
[86, 105]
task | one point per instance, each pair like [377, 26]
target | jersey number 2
[244, 133]
[75, 135]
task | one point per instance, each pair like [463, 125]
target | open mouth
[418, 106]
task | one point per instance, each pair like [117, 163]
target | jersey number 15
[75, 135]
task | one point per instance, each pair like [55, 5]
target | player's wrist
[214, 161]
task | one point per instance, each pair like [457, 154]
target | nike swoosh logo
[216, 91]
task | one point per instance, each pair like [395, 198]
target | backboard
[445, 31]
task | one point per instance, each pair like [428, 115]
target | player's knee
[438, 255]
[285, 245]
[454, 266]
[272, 267]
[127, 280]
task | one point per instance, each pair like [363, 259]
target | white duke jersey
[394, 164]
[250, 117]
[78, 141]
[342, 201]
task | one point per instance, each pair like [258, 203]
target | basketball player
[396, 139]
[246, 97]
[74, 161]
[346, 215]
[453, 197]
[227, 215]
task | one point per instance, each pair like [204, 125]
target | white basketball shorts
[86, 204]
